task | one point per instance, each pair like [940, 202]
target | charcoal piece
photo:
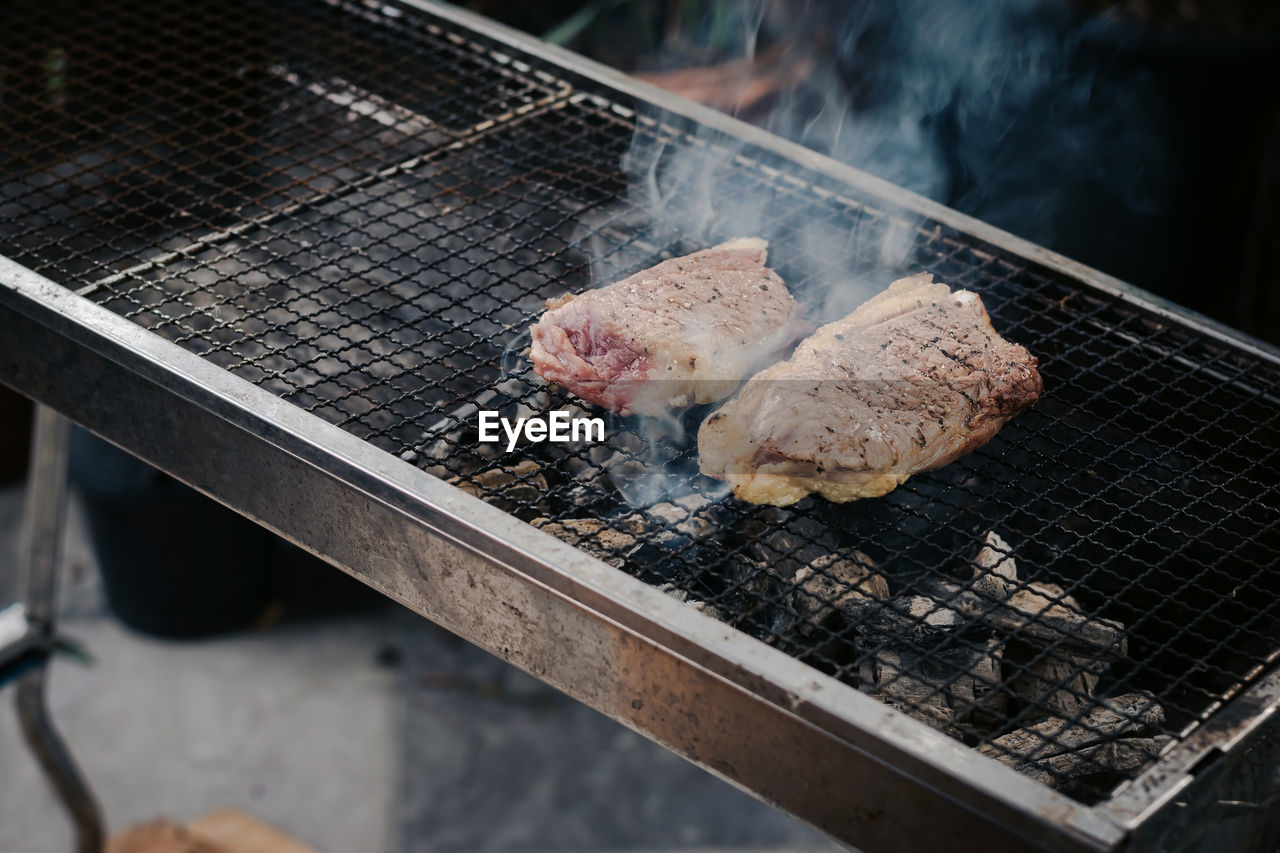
[684, 518]
[586, 496]
[689, 515]
[759, 603]
[930, 662]
[1041, 600]
[995, 573]
[1025, 618]
[510, 488]
[589, 466]
[832, 581]
[788, 542]
[1111, 759]
[952, 687]
[1131, 714]
[634, 467]
[913, 620]
[933, 660]
[977, 695]
[824, 577]
[812, 624]
[996, 557]
[697, 604]
[751, 578]
[1054, 684]
[680, 561]
[1057, 652]
[594, 537]
[455, 459]
[1056, 681]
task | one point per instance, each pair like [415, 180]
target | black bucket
[174, 563]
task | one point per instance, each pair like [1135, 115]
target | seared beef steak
[685, 331]
[910, 380]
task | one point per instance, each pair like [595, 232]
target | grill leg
[58, 765]
[43, 518]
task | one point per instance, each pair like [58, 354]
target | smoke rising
[997, 107]
[1010, 110]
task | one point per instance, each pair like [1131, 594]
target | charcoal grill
[287, 254]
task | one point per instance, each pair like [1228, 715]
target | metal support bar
[55, 759]
[43, 516]
[42, 526]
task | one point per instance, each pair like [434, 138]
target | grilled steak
[913, 378]
[686, 331]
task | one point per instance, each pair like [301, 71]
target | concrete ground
[353, 728]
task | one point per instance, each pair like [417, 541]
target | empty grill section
[127, 136]
[362, 212]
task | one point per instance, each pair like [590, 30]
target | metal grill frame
[759, 719]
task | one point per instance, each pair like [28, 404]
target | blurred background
[1142, 138]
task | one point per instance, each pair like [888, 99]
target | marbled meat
[686, 331]
[912, 379]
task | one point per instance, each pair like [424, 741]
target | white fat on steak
[912, 379]
[686, 331]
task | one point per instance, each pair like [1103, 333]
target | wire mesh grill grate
[362, 213]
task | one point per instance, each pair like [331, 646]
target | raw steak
[686, 331]
[913, 378]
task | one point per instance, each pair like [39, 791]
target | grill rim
[93, 331]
